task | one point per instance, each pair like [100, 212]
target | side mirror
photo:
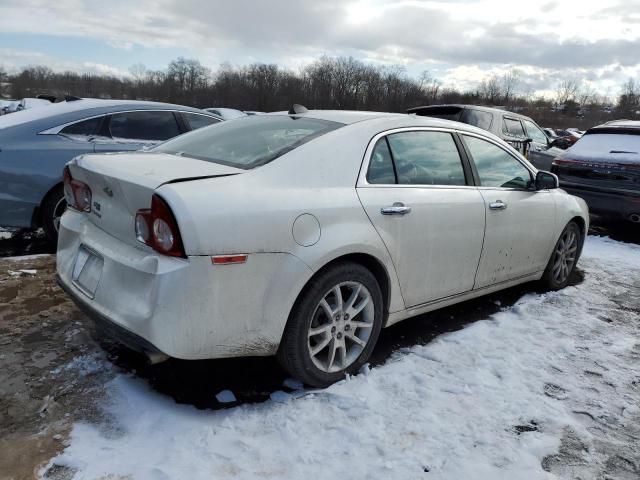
[546, 181]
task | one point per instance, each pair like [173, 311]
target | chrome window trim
[59, 128]
[362, 181]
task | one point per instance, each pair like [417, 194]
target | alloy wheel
[565, 256]
[341, 326]
[59, 209]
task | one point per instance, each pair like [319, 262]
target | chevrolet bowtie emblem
[108, 191]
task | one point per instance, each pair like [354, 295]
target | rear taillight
[76, 193]
[157, 227]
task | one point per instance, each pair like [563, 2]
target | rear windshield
[445, 113]
[248, 142]
[608, 147]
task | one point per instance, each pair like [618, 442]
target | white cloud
[467, 39]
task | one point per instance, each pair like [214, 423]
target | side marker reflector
[228, 259]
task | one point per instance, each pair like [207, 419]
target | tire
[53, 207]
[563, 258]
[311, 311]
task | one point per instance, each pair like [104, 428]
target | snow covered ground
[547, 388]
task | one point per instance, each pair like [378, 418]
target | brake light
[76, 193]
[157, 227]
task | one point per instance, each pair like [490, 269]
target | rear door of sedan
[418, 191]
[519, 220]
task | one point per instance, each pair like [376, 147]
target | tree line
[340, 83]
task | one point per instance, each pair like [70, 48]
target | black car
[603, 168]
[519, 130]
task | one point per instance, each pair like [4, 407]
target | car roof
[629, 127]
[341, 116]
[64, 112]
[381, 121]
[468, 106]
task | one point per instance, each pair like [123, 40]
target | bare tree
[566, 91]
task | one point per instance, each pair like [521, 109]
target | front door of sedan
[539, 154]
[519, 221]
[417, 192]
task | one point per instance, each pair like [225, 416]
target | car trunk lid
[123, 183]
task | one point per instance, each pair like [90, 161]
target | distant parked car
[364, 218]
[35, 145]
[513, 128]
[8, 106]
[550, 132]
[226, 113]
[28, 103]
[603, 168]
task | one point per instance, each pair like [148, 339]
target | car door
[138, 129]
[417, 190]
[539, 154]
[519, 220]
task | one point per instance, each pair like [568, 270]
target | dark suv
[520, 131]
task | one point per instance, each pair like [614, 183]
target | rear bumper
[113, 330]
[607, 203]
[184, 308]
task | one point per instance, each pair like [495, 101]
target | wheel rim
[565, 256]
[341, 326]
[58, 210]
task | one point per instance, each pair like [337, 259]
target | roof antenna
[297, 109]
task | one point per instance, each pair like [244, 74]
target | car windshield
[248, 142]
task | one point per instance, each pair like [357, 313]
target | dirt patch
[44, 388]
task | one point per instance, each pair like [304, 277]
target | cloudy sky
[458, 41]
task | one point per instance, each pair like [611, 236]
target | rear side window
[144, 126]
[426, 158]
[250, 141]
[196, 121]
[477, 118]
[513, 127]
[381, 169]
[84, 128]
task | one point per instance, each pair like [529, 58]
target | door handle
[398, 208]
[498, 205]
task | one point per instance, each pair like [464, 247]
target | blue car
[36, 144]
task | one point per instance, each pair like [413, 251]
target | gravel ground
[53, 373]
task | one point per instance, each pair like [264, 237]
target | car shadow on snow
[255, 379]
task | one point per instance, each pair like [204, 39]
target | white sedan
[302, 234]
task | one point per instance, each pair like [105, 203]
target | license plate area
[87, 271]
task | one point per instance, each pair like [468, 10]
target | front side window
[84, 128]
[250, 141]
[496, 167]
[426, 158]
[535, 133]
[477, 118]
[197, 121]
[147, 126]
[513, 127]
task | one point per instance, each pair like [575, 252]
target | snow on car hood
[151, 169]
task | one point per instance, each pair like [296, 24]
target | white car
[226, 113]
[302, 234]
[29, 103]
